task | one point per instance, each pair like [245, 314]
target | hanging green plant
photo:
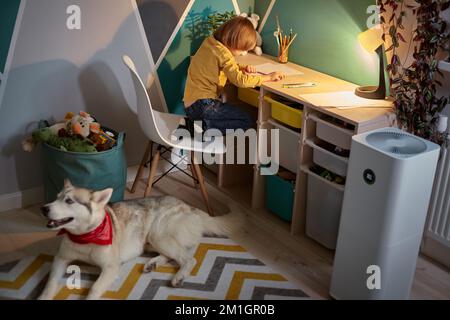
[414, 87]
[216, 19]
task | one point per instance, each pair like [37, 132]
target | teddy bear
[71, 134]
[82, 124]
[254, 19]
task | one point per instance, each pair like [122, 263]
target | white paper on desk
[344, 100]
[268, 68]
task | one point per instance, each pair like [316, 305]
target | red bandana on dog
[101, 236]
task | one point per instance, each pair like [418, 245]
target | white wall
[56, 70]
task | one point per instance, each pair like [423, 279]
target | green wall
[327, 42]
[247, 5]
[173, 70]
[8, 14]
[261, 7]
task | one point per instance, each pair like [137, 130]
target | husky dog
[107, 236]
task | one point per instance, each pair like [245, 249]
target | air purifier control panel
[369, 177]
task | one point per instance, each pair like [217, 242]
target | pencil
[290, 42]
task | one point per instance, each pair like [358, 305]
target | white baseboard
[437, 251]
[21, 199]
[26, 198]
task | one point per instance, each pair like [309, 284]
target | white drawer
[328, 160]
[289, 147]
[323, 210]
[333, 134]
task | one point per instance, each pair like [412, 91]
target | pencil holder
[284, 41]
[283, 56]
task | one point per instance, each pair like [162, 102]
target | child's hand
[250, 69]
[276, 76]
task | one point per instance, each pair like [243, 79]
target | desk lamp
[371, 40]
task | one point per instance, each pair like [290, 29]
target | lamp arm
[382, 84]
[371, 92]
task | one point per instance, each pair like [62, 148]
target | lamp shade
[371, 39]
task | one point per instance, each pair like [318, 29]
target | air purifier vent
[400, 144]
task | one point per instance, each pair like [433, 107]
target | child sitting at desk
[211, 67]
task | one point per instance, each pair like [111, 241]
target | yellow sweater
[210, 68]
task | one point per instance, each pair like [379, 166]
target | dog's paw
[150, 267]
[154, 263]
[177, 282]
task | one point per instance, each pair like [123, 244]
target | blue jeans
[218, 115]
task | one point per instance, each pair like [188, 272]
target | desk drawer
[323, 210]
[289, 147]
[249, 96]
[332, 133]
[280, 196]
[327, 159]
[285, 114]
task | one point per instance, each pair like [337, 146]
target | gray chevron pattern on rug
[224, 271]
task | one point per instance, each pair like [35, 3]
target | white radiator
[438, 227]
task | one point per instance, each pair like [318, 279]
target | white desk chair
[159, 128]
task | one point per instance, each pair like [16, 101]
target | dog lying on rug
[107, 236]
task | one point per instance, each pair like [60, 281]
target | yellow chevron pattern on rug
[121, 294]
[240, 277]
[203, 249]
[224, 270]
[26, 274]
[237, 283]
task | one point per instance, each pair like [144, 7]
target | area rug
[224, 271]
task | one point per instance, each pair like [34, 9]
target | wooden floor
[302, 261]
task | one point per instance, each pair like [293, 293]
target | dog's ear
[67, 184]
[102, 197]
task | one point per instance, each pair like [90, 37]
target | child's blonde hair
[237, 34]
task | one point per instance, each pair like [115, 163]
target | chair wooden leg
[151, 176]
[195, 177]
[148, 152]
[201, 182]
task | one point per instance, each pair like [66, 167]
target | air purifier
[385, 205]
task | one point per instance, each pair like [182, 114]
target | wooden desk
[325, 83]
[361, 120]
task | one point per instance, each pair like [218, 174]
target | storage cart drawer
[280, 196]
[323, 211]
[334, 134]
[289, 147]
[327, 159]
[249, 96]
[286, 114]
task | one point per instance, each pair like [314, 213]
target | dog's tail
[224, 225]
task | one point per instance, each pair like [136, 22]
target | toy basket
[96, 171]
